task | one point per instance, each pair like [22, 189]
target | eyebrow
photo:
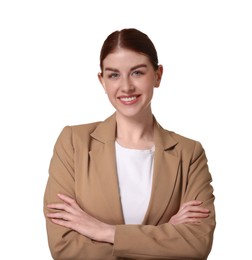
[133, 68]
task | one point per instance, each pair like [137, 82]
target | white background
[49, 59]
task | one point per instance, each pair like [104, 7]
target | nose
[127, 85]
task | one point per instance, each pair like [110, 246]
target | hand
[190, 212]
[72, 216]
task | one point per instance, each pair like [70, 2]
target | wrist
[109, 234]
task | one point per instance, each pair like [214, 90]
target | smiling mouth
[129, 99]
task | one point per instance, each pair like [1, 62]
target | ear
[159, 73]
[100, 77]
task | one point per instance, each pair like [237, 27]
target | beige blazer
[83, 166]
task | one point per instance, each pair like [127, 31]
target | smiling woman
[129, 78]
[125, 188]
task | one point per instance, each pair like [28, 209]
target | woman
[126, 188]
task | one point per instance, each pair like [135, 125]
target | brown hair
[131, 39]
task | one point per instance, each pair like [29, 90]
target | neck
[135, 133]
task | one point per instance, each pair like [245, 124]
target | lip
[129, 100]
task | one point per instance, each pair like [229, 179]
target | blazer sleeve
[182, 241]
[63, 242]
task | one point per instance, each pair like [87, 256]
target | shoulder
[83, 133]
[182, 145]
[78, 132]
[171, 139]
[188, 148]
[84, 129]
[183, 140]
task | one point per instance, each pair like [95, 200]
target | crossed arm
[73, 217]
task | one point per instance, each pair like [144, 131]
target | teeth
[127, 99]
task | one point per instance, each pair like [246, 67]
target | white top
[135, 171]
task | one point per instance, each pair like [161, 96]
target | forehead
[125, 58]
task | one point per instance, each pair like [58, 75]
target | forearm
[69, 244]
[185, 241]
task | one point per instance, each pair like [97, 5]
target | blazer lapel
[164, 176]
[102, 156]
[166, 165]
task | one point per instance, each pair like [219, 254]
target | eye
[114, 75]
[137, 73]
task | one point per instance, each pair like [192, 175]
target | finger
[60, 215]
[61, 206]
[184, 220]
[193, 209]
[199, 209]
[196, 215]
[189, 218]
[69, 200]
[62, 222]
[191, 214]
[196, 209]
[190, 203]
[65, 198]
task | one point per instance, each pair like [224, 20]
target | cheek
[149, 85]
[150, 81]
[110, 90]
[109, 84]
[112, 86]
